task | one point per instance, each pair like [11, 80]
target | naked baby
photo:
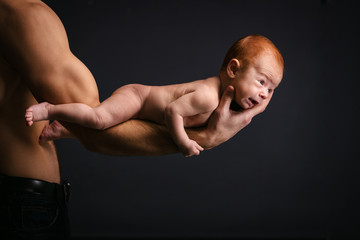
[253, 66]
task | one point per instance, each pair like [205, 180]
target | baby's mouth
[236, 107]
[254, 102]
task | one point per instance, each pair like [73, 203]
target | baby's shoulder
[208, 91]
[210, 87]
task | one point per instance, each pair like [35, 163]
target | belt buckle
[67, 193]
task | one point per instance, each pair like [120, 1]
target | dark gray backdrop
[292, 172]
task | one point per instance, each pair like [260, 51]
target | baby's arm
[190, 104]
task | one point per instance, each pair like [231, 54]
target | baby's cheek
[244, 90]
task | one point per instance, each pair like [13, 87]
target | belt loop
[67, 192]
[1, 177]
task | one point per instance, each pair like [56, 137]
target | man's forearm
[204, 137]
[134, 137]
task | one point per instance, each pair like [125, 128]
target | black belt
[20, 184]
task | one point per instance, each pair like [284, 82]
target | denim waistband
[21, 184]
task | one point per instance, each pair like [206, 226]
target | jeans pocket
[38, 217]
[33, 212]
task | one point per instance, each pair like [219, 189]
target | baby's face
[258, 81]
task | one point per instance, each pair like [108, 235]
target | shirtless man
[37, 65]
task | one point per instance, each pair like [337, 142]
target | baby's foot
[53, 131]
[37, 112]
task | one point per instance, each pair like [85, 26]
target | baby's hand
[191, 148]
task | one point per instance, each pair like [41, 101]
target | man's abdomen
[20, 153]
[22, 156]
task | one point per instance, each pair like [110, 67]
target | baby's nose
[264, 94]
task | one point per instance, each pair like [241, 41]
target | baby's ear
[233, 67]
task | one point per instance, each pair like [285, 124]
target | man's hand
[224, 123]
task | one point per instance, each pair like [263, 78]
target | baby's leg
[124, 104]
[54, 131]
[37, 113]
[73, 112]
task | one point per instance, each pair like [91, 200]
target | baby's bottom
[125, 103]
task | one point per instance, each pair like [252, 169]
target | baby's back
[160, 97]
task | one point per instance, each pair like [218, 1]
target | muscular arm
[34, 40]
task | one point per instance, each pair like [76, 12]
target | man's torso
[20, 153]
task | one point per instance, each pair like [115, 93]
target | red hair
[246, 49]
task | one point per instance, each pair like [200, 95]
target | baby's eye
[262, 82]
[269, 90]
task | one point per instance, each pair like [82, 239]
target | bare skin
[36, 65]
[181, 105]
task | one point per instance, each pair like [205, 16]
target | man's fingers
[227, 98]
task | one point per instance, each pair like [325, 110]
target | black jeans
[33, 209]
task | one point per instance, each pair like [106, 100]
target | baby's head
[254, 66]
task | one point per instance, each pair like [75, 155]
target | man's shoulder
[22, 17]
[13, 11]
[24, 6]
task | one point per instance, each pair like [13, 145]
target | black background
[293, 172]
